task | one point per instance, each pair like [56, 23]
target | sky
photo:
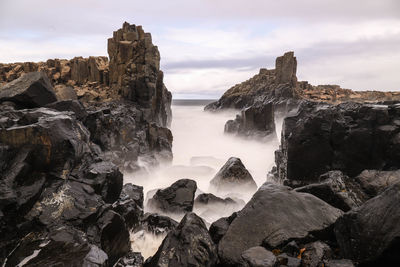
[207, 46]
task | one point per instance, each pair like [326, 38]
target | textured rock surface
[349, 137]
[255, 121]
[259, 257]
[178, 198]
[289, 216]
[135, 70]
[233, 177]
[30, 90]
[371, 233]
[337, 190]
[188, 245]
[374, 182]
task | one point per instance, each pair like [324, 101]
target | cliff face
[133, 73]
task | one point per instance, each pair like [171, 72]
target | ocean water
[200, 149]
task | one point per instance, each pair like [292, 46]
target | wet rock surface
[178, 198]
[188, 245]
[233, 176]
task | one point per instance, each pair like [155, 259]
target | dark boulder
[188, 245]
[178, 198]
[337, 190]
[370, 234]
[130, 205]
[288, 261]
[259, 257]
[289, 216]
[349, 137]
[55, 139]
[64, 246]
[106, 179]
[233, 176]
[28, 91]
[374, 182]
[254, 121]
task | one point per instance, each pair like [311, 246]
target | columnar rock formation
[133, 73]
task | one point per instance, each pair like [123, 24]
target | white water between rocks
[200, 149]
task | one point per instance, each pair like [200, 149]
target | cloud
[207, 46]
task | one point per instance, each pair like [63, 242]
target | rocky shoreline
[69, 128]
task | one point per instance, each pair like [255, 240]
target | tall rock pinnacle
[135, 70]
[286, 67]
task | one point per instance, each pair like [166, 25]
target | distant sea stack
[277, 92]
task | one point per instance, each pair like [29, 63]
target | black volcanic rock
[337, 190]
[233, 176]
[64, 246]
[188, 245]
[133, 259]
[289, 216]
[30, 90]
[178, 198]
[349, 137]
[370, 234]
[130, 205]
[257, 120]
[374, 182]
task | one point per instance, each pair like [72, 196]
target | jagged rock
[98, 69]
[133, 259]
[337, 190]
[315, 254]
[70, 105]
[135, 69]
[64, 92]
[134, 192]
[374, 182]
[257, 120]
[157, 224]
[111, 233]
[188, 245]
[178, 198]
[106, 179]
[259, 257]
[290, 216]
[54, 138]
[349, 137]
[219, 228]
[31, 90]
[233, 176]
[370, 234]
[65, 246]
[79, 70]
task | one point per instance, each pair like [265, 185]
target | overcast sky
[210, 45]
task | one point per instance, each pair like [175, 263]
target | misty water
[200, 149]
